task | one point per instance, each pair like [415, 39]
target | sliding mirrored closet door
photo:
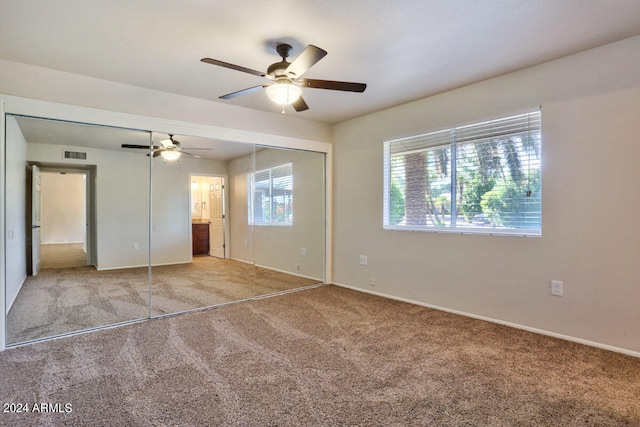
[107, 225]
[77, 227]
[286, 217]
[190, 222]
[225, 226]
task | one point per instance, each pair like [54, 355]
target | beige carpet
[321, 357]
[59, 301]
[62, 255]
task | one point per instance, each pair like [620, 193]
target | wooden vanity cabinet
[200, 238]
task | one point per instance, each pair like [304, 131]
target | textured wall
[590, 233]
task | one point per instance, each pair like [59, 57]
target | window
[271, 196]
[482, 178]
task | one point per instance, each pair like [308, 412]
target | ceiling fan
[286, 77]
[170, 149]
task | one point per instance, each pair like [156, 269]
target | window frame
[433, 141]
[251, 180]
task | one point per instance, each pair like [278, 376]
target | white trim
[479, 120]
[288, 272]
[328, 224]
[477, 231]
[3, 245]
[10, 304]
[124, 267]
[143, 265]
[499, 322]
[276, 269]
[62, 243]
[241, 260]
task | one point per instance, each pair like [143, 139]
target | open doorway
[208, 215]
[61, 218]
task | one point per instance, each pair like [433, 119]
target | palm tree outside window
[483, 178]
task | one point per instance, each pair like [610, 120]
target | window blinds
[271, 196]
[484, 177]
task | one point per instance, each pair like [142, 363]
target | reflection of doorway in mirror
[207, 206]
[63, 219]
[200, 199]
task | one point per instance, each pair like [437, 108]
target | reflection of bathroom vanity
[200, 237]
[200, 215]
[207, 215]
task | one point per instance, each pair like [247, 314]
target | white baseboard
[289, 272]
[500, 322]
[241, 260]
[61, 243]
[277, 269]
[234, 259]
[142, 265]
[120, 267]
[10, 303]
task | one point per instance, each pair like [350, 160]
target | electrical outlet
[298, 267]
[372, 282]
[303, 251]
[136, 246]
[556, 288]
[363, 260]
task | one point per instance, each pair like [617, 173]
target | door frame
[225, 209]
[36, 218]
[89, 171]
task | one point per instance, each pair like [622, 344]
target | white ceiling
[403, 49]
[70, 134]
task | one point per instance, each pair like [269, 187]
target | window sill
[469, 230]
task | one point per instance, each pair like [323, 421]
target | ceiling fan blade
[157, 153]
[300, 105]
[242, 92]
[190, 154]
[234, 67]
[307, 59]
[145, 147]
[332, 85]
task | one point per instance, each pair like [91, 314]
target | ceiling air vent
[77, 155]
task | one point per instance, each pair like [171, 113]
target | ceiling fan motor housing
[284, 50]
[278, 69]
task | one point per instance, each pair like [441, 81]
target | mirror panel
[126, 234]
[210, 195]
[185, 272]
[93, 233]
[288, 213]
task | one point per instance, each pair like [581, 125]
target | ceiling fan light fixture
[170, 155]
[284, 92]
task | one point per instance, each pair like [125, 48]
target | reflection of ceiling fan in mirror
[286, 82]
[170, 149]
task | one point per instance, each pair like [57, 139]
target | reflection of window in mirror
[270, 194]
